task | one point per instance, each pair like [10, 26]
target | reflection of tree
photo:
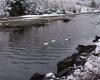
[36, 36]
[29, 35]
[16, 36]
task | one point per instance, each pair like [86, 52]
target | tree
[16, 7]
[93, 4]
[31, 7]
[3, 9]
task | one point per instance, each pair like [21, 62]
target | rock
[84, 54]
[50, 75]
[70, 77]
[96, 38]
[63, 78]
[66, 20]
[69, 65]
[66, 66]
[37, 76]
[75, 55]
[68, 62]
[77, 60]
[86, 49]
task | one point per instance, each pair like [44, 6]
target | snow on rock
[77, 72]
[85, 9]
[44, 15]
[97, 50]
[30, 16]
[88, 65]
[51, 75]
[96, 11]
[70, 77]
[93, 65]
[90, 71]
[53, 14]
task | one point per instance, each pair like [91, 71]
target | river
[22, 53]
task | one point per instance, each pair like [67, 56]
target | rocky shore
[84, 65]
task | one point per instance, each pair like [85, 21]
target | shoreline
[78, 66]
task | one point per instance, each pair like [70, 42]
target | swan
[53, 41]
[45, 44]
[68, 39]
[96, 39]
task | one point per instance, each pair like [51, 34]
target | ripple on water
[22, 54]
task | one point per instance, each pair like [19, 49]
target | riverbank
[31, 20]
[83, 65]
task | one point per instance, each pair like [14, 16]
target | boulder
[78, 59]
[86, 49]
[66, 20]
[66, 63]
[37, 76]
[96, 38]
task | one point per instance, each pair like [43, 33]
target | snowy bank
[27, 20]
[91, 69]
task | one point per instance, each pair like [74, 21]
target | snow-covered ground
[91, 69]
[42, 6]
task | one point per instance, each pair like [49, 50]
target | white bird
[66, 39]
[53, 41]
[45, 44]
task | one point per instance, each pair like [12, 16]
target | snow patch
[51, 75]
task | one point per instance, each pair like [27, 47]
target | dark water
[22, 53]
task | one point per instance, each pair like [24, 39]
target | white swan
[53, 41]
[45, 44]
[68, 39]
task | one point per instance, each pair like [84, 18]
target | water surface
[22, 53]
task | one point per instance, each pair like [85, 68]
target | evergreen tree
[16, 7]
[93, 4]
